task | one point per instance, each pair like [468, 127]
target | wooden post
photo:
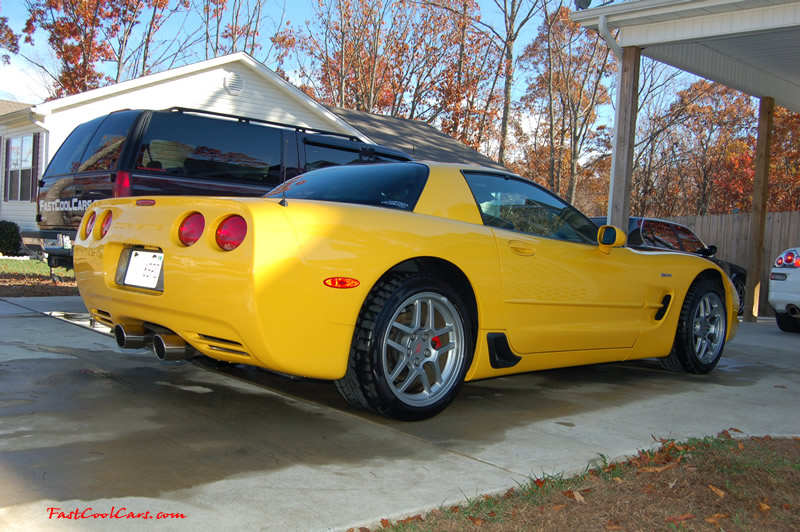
[758, 216]
[619, 197]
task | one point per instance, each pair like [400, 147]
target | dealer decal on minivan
[64, 205]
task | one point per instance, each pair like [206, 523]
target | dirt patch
[718, 483]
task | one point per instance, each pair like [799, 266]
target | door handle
[521, 248]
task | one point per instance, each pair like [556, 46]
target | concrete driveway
[88, 430]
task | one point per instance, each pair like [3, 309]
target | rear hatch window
[202, 148]
[392, 185]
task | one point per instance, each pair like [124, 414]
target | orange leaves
[718, 492]
[716, 518]
[678, 519]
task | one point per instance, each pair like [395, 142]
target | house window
[19, 168]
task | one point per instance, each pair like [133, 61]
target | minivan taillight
[191, 229]
[122, 185]
[231, 232]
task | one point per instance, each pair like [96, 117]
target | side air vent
[233, 83]
[664, 307]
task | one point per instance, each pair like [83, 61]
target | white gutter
[602, 28]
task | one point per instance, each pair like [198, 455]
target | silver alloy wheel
[422, 350]
[708, 327]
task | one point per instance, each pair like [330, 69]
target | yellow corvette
[398, 281]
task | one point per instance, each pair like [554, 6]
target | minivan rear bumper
[53, 246]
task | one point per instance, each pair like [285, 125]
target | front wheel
[702, 327]
[411, 350]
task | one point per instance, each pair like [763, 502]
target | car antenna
[282, 202]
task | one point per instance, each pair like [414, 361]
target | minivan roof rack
[248, 120]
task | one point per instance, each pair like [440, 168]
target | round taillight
[231, 232]
[89, 224]
[779, 262]
[106, 224]
[789, 258]
[191, 229]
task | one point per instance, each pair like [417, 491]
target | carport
[749, 45]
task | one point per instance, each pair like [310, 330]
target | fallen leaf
[618, 480]
[579, 497]
[716, 490]
[672, 484]
[475, 520]
[734, 429]
[509, 493]
[385, 523]
[763, 507]
[558, 507]
[676, 520]
[454, 509]
[540, 482]
[768, 437]
[659, 469]
[741, 446]
[613, 525]
[786, 506]
[492, 514]
[411, 519]
[714, 519]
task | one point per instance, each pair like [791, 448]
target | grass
[26, 278]
[716, 483]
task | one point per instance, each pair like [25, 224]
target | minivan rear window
[391, 185]
[203, 148]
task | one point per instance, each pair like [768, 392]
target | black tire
[787, 323]
[739, 283]
[411, 349]
[702, 326]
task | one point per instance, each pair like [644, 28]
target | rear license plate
[144, 269]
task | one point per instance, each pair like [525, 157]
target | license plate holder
[144, 269]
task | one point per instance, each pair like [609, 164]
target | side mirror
[609, 237]
[710, 251]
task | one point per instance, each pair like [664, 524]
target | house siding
[23, 213]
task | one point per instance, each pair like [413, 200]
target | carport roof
[750, 45]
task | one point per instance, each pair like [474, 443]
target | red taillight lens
[788, 258]
[191, 229]
[89, 225]
[106, 224]
[779, 262]
[231, 232]
[122, 185]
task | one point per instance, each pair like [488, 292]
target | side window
[318, 156]
[518, 205]
[105, 146]
[68, 157]
[690, 241]
[209, 148]
[662, 235]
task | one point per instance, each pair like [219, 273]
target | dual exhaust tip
[168, 347]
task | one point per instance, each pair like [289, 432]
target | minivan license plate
[144, 269]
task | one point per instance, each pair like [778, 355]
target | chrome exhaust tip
[171, 347]
[132, 336]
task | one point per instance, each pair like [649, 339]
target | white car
[784, 290]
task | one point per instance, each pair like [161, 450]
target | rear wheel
[411, 348]
[702, 327]
[739, 285]
[787, 323]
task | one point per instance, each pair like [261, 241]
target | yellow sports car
[398, 281]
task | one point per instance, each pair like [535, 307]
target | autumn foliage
[530, 89]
